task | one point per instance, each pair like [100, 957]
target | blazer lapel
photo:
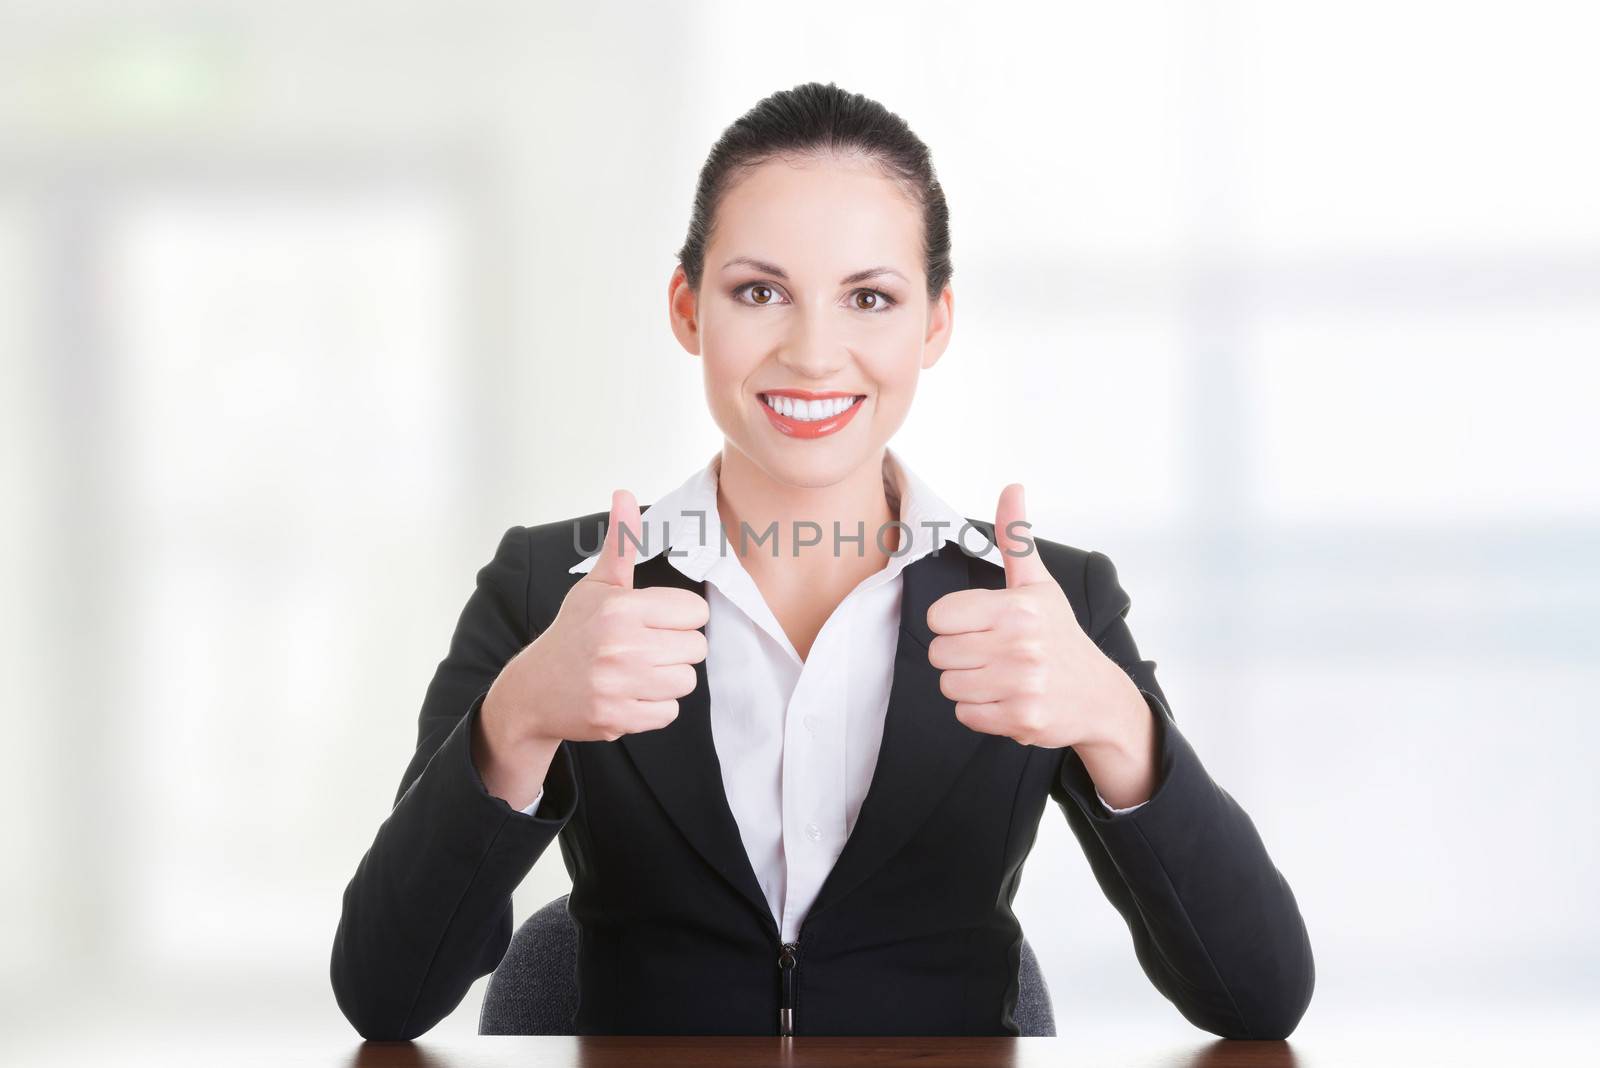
[924, 746]
[679, 763]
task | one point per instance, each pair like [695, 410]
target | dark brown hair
[811, 120]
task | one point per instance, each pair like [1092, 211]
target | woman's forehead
[818, 215]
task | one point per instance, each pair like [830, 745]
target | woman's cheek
[727, 377]
[726, 370]
[895, 366]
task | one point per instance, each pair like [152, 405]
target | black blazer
[912, 932]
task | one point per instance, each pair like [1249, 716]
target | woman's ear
[683, 310]
[941, 319]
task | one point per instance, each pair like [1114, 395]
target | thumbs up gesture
[615, 660]
[1015, 661]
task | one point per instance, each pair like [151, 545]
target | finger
[623, 535]
[652, 715]
[950, 652]
[671, 608]
[663, 683]
[966, 610]
[674, 647]
[980, 716]
[1011, 534]
[973, 684]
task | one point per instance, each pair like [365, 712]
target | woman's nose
[814, 348]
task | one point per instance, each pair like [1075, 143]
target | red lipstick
[810, 428]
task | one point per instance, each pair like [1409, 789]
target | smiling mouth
[814, 410]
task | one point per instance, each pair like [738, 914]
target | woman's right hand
[614, 661]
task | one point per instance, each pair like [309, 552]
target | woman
[794, 745]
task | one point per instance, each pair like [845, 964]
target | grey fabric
[534, 989]
[1033, 1013]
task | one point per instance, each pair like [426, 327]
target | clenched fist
[614, 661]
[1016, 663]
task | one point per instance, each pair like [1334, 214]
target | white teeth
[808, 411]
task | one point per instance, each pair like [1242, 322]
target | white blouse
[797, 739]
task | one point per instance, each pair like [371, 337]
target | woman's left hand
[1016, 663]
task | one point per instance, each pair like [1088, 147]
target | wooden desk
[804, 1052]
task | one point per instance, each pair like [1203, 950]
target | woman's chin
[812, 464]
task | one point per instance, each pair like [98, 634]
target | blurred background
[1292, 309]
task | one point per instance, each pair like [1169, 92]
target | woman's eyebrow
[778, 272]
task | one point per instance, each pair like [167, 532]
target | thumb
[1011, 534]
[615, 566]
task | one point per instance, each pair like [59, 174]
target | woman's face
[813, 284]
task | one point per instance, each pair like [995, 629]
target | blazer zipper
[788, 961]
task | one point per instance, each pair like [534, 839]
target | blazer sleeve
[1214, 924]
[428, 910]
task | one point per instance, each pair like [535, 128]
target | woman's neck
[750, 499]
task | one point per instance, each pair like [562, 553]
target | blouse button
[811, 724]
[813, 832]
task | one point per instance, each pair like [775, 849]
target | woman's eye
[759, 294]
[871, 300]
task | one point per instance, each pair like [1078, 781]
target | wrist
[1121, 758]
[507, 732]
[511, 770]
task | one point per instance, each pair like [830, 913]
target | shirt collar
[686, 521]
